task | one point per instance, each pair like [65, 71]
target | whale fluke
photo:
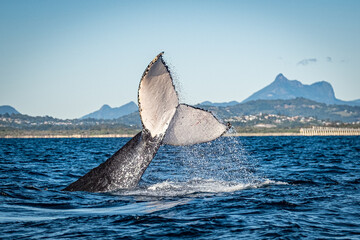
[192, 125]
[164, 121]
[157, 97]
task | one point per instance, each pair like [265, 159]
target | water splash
[192, 188]
[223, 159]
[219, 166]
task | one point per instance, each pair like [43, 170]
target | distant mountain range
[282, 96]
[5, 109]
[290, 107]
[107, 112]
[223, 104]
[282, 88]
[299, 112]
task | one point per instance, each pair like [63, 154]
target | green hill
[292, 107]
[252, 116]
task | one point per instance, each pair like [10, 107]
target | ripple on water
[246, 187]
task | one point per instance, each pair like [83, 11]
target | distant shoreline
[275, 134]
[132, 135]
[73, 136]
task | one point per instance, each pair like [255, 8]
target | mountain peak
[8, 109]
[107, 112]
[280, 77]
[105, 107]
[282, 88]
[322, 83]
[132, 103]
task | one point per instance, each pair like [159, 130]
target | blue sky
[68, 58]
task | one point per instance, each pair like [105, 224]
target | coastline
[274, 134]
[71, 136]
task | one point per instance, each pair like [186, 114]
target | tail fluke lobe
[191, 126]
[162, 116]
[157, 97]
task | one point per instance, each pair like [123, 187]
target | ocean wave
[195, 187]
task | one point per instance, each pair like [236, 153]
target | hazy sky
[68, 58]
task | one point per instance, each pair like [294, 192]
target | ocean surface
[231, 188]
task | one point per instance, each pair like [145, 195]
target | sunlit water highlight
[254, 187]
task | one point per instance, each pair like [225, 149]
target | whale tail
[162, 115]
[164, 121]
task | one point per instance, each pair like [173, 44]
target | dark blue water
[232, 188]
